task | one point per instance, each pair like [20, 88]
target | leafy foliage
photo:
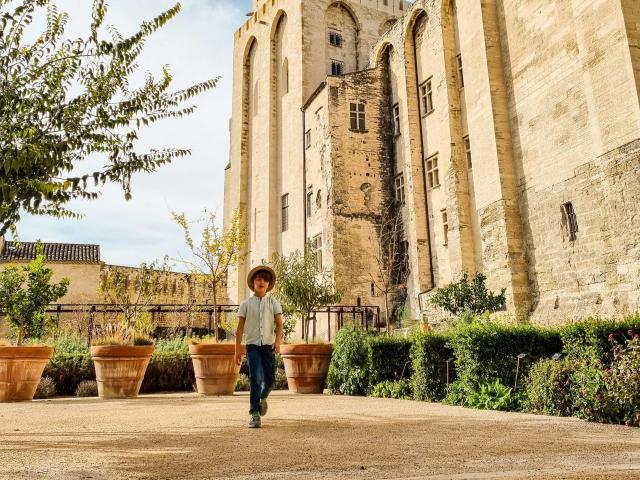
[217, 250]
[388, 358]
[349, 369]
[301, 288]
[492, 396]
[71, 364]
[486, 352]
[46, 388]
[548, 388]
[429, 354]
[170, 367]
[401, 389]
[243, 384]
[25, 293]
[590, 339]
[469, 296]
[65, 101]
[87, 388]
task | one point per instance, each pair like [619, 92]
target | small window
[357, 117]
[445, 228]
[319, 200]
[316, 247]
[399, 188]
[285, 212]
[307, 139]
[433, 177]
[337, 67]
[467, 151]
[426, 94]
[572, 221]
[309, 200]
[396, 119]
[335, 39]
[460, 73]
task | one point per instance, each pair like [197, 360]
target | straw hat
[260, 268]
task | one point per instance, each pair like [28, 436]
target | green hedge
[361, 360]
[429, 355]
[349, 368]
[589, 340]
[486, 352]
[389, 359]
[170, 368]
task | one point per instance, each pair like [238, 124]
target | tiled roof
[55, 252]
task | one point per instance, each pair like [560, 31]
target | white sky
[197, 44]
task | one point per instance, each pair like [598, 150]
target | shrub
[87, 388]
[281, 380]
[170, 367]
[71, 363]
[492, 396]
[469, 296]
[429, 355]
[622, 381]
[590, 339]
[46, 388]
[486, 352]
[243, 384]
[548, 388]
[393, 389]
[349, 368]
[389, 358]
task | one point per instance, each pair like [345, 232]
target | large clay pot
[120, 369]
[306, 366]
[20, 371]
[215, 368]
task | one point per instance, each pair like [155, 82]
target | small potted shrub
[214, 363]
[121, 354]
[302, 289]
[25, 293]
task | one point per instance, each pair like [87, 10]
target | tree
[133, 292]
[25, 293]
[301, 287]
[469, 297]
[64, 101]
[390, 256]
[217, 250]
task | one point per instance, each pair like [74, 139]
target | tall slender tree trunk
[215, 309]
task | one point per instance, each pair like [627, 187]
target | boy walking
[257, 317]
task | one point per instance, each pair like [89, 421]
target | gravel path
[184, 436]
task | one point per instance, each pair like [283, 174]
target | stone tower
[282, 54]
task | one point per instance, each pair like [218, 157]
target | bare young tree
[217, 250]
[390, 256]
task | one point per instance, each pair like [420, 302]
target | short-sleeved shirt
[259, 314]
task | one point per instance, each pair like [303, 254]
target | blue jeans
[262, 373]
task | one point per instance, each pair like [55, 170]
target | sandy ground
[185, 436]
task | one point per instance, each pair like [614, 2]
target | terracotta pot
[20, 371]
[306, 366]
[120, 369]
[215, 368]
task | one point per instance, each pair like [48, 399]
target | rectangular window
[426, 94]
[460, 73]
[445, 228]
[335, 38]
[307, 139]
[337, 67]
[399, 188]
[285, 212]
[316, 246]
[357, 117]
[572, 221]
[433, 178]
[396, 119]
[467, 150]
[309, 200]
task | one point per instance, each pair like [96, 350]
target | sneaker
[264, 406]
[255, 421]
